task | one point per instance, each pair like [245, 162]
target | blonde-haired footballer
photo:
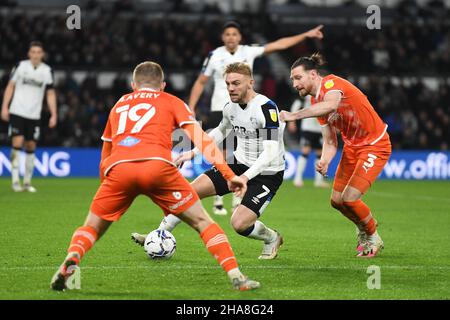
[214, 65]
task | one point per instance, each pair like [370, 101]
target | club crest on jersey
[329, 84]
[273, 115]
[129, 142]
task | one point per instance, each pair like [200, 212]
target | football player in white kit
[310, 139]
[214, 66]
[258, 159]
[30, 79]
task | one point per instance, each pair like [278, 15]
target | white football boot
[139, 238]
[244, 284]
[17, 187]
[29, 188]
[372, 246]
[270, 250]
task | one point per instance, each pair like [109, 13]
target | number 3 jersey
[252, 124]
[140, 127]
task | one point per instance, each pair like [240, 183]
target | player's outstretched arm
[287, 42]
[197, 90]
[329, 149]
[209, 149]
[218, 134]
[329, 104]
[9, 91]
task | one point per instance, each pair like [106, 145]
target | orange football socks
[82, 240]
[217, 244]
[345, 212]
[362, 211]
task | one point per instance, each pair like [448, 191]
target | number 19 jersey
[140, 127]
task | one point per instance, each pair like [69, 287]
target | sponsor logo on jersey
[273, 115]
[129, 142]
[329, 84]
[32, 82]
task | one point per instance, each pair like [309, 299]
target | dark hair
[36, 44]
[231, 24]
[315, 61]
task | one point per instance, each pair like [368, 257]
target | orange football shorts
[159, 180]
[359, 167]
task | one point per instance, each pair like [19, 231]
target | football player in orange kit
[339, 105]
[136, 159]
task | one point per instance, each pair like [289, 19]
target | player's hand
[182, 157]
[315, 33]
[238, 185]
[287, 116]
[322, 167]
[5, 114]
[52, 122]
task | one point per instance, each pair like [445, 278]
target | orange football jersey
[355, 117]
[140, 126]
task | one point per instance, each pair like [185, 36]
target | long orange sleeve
[208, 148]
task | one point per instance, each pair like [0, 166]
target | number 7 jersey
[140, 127]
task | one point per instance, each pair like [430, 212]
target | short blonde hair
[148, 72]
[239, 67]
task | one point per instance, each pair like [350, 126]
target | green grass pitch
[317, 260]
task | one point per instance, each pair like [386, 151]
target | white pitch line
[153, 266]
[406, 196]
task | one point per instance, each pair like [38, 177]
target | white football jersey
[30, 86]
[215, 64]
[308, 124]
[253, 123]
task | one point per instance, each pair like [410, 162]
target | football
[160, 244]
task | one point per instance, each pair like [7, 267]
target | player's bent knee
[241, 226]
[351, 194]
[246, 232]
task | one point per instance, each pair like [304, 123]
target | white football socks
[218, 201]
[301, 165]
[235, 273]
[15, 163]
[29, 168]
[261, 232]
[169, 222]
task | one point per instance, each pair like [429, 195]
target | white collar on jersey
[147, 89]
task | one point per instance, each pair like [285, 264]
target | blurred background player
[339, 105]
[258, 159]
[214, 66]
[30, 79]
[136, 159]
[310, 139]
